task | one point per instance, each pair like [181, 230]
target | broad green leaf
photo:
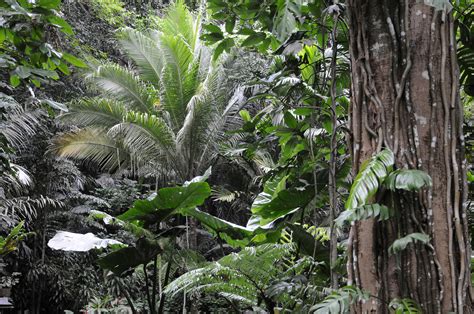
[290, 120]
[246, 31]
[74, 60]
[229, 25]
[129, 226]
[253, 39]
[23, 71]
[235, 235]
[126, 259]
[285, 21]
[401, 244]
[224, 45]
[212, 37]
[219, 50]
[62, 24]
[14, 80]
[167, 201]
[211, 28]
[407, 179]
[282, 204]
[271, 188]
[48, 4]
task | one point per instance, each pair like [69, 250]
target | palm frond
[92, 145]
[182, 135]
[202, 129]
[180, 22]
[18, 124]
[15, 181]
[178, 58]
[145, 52]
[178, 42]
[26, 208]
[123, 85]
[94, 112]
[145, 135]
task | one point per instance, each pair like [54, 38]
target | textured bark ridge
[405, 97]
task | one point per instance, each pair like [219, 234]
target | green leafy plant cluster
[375, 174]
[165, 118]
[24, 50]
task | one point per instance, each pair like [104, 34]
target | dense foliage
[199, 160]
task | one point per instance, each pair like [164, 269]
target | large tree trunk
[405, 96]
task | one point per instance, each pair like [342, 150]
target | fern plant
[237, 277]
[167, 114]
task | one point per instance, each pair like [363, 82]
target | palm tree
[166, 115]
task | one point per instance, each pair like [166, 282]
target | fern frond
[363, 212]
[401, 244]
[223, 195]
[236, 273]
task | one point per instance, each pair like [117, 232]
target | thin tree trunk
[405, 96]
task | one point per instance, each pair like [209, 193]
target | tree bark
[405, 97]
